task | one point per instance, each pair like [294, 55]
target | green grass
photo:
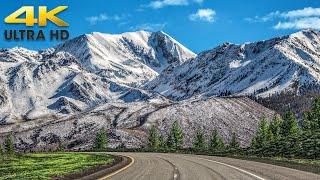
[299, 161]
[47, 165]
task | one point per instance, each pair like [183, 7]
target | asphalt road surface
[156, 166]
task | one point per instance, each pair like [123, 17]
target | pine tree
[221, 144]
[307, 121]
[311, 119]
[254, 144]
[289, 126]
[162, 142]
[269, 136]
[199, 141]
[275, 127]
[170, 141]
[153, 138]
[9, 144]
[216, 141]
[101, 141]
[234, 144]
[262, 135]
[175, 138]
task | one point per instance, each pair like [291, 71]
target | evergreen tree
[254, 143]
[199, 141]
[275, 127]
[262, 134]
[221, 143]
[170, 141]
[101, 141]
[175, 138]
[311, 119]
[234, 144]
[153, 138]
[216, 141]
[289, 126]
[162, 142]
[9, 144]
[270, 136]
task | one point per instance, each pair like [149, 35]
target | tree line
[175, 140]
[284, 137]
[281, 137]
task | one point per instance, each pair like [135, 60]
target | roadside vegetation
[48, 165]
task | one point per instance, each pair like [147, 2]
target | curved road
[156, 166]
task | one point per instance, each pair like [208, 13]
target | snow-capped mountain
[82, 73]
[280, 65]
[132, 57]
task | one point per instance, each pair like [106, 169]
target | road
[156, 166]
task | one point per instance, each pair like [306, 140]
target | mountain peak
[127, 57]
[307, 33]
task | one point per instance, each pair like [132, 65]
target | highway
[158, 166]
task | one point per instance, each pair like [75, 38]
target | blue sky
[198, 24]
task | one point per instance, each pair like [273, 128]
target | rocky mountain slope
[82, 73]
[289, 64]
[129, 57]
[128, 123]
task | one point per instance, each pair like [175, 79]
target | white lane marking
[246, 172]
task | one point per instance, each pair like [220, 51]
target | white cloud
[295, 19]
[265, 18]
[306, 12]
[162, 3]
[149, 27]
[203, 15]
[302, 23]
[93, 20]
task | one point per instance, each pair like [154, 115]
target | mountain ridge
[261, 69]
[81, 73]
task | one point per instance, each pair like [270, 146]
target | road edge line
[228, 165]
[119, 170]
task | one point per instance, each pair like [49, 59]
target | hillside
[128, 123]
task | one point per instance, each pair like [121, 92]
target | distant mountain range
[289, 64]
[83, 72]
[128, 82]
